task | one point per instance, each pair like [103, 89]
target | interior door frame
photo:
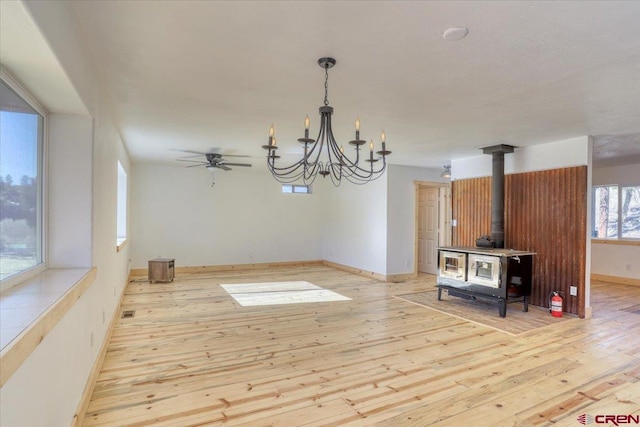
[444, 221]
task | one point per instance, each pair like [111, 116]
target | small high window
[294, 188]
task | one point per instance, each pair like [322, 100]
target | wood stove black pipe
[497, 191]
[497, 199]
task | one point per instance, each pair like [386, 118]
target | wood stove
[494, 274]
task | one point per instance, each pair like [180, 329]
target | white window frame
[27, 274]
[121, 206]
[296, 189]
[594, 207]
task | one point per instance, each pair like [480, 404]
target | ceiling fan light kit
[336, 163]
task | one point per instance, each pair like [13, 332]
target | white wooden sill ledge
[30, 310]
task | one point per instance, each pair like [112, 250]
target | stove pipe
[497, 191]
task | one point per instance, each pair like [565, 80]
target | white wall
[355, 224]
[623, 175]
[46, 389]
[401, 227]
[70, 160]
[612, 259]
[552, 155]
[244, 218]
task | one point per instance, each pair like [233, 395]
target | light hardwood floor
[193, 356]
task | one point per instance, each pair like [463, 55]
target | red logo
[585, 419]
[616, 420]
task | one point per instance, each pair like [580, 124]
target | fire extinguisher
[555, 304]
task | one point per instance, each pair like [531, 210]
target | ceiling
[201, 75]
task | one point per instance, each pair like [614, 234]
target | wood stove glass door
[484, 270]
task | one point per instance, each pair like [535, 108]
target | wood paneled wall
[471, 199]
[545, 212]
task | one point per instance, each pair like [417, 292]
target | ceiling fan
[215, 160]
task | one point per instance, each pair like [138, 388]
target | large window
[616, 212]
[21, 148]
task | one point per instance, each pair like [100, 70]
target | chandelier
[335, 162]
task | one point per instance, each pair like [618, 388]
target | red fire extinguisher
[556, 305]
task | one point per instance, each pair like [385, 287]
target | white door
[428, 230]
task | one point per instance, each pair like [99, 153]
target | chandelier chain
[326, 85]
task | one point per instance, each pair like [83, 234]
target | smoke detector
[455, 33]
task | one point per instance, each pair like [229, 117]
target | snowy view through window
[616, 212]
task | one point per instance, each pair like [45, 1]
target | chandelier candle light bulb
[271, 146]
[334, 161]
[307, 122]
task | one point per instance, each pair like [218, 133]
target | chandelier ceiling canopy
[334, 162]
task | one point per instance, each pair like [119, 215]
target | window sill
[29, 311]
[616, 242]
[121, 243]
[22, 277]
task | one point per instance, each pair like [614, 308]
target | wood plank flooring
[192, 356]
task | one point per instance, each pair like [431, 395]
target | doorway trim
[444, 221]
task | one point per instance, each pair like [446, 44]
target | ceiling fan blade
[189, 151]
[234, 155]
[221, 166]
[191, 161]
[238, 164]
[195, 166]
